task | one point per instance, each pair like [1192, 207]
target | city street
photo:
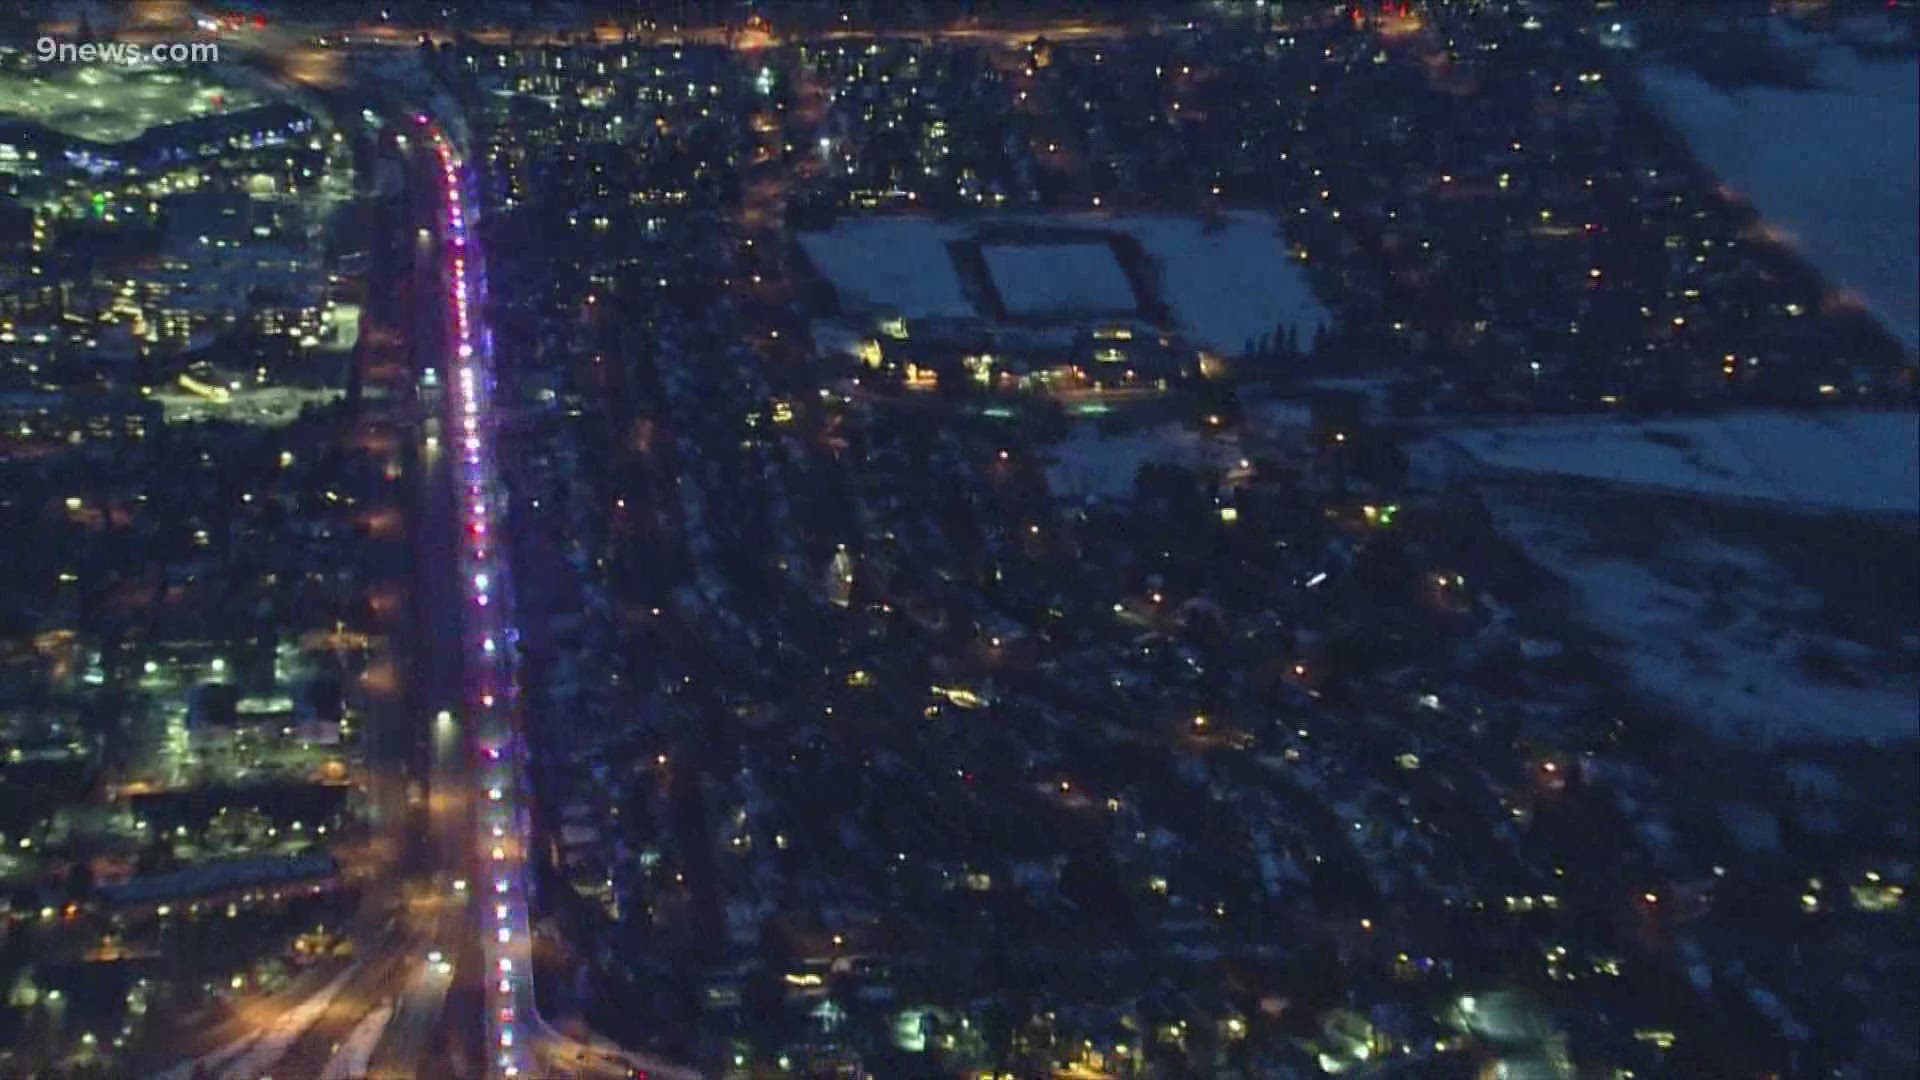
[902, 540]
[414, 756]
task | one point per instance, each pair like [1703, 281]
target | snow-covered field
[1834, 168]
[1227, 284]
[1728, 616]
[1091, 464]
[898, 264]
[1042, 279]
[1717, 631]
[1821, 461]
[1223, 284]
[1279, 416]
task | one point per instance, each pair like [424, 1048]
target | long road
[493, 717]
[465, 882]
[294, 1029]
[398, 978]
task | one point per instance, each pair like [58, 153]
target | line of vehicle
[494, 707]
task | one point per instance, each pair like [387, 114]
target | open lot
[112, 104]
[1228, 280]
[898, 264]
[1054, 279]
[1816, 461]
[1222, 281]
[1101, 462]
[1831, 169]
[1734, 621]
[1753, 572]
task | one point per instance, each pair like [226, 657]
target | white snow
[211, 1063]
[1709, 620]
[1823, 461]
[1752, 827]
[256, 1052]
[1091, 464]
[1814, 783]
[897, 264]
[1223, 282]
[286, 1029]
[832, 337]
[1227, 283]
[356, 1053]
[1834, 168]
[1042, 279]
[1280, 414]
[1726, 656]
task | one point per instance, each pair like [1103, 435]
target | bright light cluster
[501, 808]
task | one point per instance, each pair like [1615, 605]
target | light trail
[493, 691]
[356, 1054]
[286, 1030]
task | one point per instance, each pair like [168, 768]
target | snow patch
[1049, 279]
[1092, 464]
[1829, 461]
[1228, 280]
[1728, 657]
[1224, 280]
[892, 264]
[1834, 168]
